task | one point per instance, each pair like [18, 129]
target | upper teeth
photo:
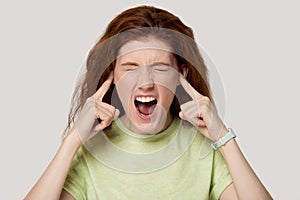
[145, 99]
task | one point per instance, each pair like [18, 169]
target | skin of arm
[241, 172]
[203, 115]
[246, 185]
[51, 183]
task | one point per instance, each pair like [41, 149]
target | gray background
[254, 44]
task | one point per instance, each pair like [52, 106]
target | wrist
[227, 144]
[223, 132]
[226, 136]
[73, 139]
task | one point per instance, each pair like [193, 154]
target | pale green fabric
[187, 178]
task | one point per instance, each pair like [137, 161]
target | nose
[145, 78]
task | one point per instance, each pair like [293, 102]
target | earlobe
[185, 71]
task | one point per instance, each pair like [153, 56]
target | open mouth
[145, 105]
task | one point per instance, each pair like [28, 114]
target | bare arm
[203, 115]
[51, 183]
[246, 185]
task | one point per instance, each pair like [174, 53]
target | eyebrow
[156, 63]
[129, 63]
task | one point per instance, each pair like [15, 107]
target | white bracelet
[224, 139]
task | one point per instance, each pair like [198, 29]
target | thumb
[181, 115]
[117, 113]
[101, 126]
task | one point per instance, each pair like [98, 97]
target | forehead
[149, 48]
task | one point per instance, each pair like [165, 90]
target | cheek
[125, 84]
[117, 75]
[166, 96]
[168, 79]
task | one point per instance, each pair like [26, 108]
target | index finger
[104, 87]
[188, 88]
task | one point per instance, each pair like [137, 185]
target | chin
[149, 124]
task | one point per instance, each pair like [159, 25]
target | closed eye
[161, 67]
[130, 66]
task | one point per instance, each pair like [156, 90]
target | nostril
[147, 85]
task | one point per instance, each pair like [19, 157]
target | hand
[201, 113]
[87, 124]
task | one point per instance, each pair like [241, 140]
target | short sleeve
[75, 183]
[221, 178]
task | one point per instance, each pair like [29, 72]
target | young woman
[140, 117]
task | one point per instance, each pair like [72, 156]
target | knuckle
[104, 123]
[111, 109]
[90, 103]
[205, 98]
[90, 99]
[183, 107]
[109, 116]
[107, 122]
[205, 109]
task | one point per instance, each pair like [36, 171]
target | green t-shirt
[135, 166]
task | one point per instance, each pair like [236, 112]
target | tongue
[146, 108]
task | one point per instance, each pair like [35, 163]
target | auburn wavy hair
[139, 22]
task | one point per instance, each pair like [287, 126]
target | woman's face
[146, 77]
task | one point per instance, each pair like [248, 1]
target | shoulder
[81, 158]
